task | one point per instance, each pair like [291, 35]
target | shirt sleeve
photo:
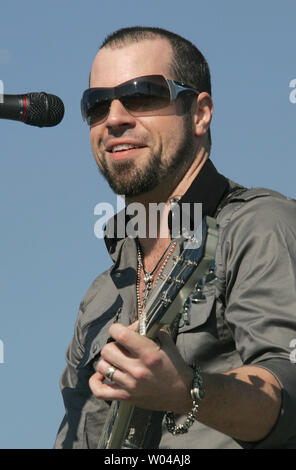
[259, 251]
[71, 429]
[84, 417]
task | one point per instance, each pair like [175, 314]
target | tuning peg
[165, 300]
[197, 296]
[186, 311]
[211, 277]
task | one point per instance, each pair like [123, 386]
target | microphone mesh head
[44, 110]
[55, 110]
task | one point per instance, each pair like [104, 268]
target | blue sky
[49, 183]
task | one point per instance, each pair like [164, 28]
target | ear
[202, 113]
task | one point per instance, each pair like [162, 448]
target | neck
[174, 184]
[174, 187]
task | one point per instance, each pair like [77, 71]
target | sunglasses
[151, 95]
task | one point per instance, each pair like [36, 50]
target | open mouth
[125, 147]
[121, 151]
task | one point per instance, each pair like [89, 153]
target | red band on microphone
[25, 108]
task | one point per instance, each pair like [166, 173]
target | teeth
[117, 148]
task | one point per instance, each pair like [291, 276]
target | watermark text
[293, 352]
[1, 92]
[293, 92]
[147, 221]
[1, 352]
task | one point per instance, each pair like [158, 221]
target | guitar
[181, 286]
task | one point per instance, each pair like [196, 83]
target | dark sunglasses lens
[94, 106]
[98, 112]
[145, 95]
[141, 96]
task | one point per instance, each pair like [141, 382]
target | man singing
[149, 109]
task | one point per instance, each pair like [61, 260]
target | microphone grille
[44, 110]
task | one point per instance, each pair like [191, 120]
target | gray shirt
[249, 317]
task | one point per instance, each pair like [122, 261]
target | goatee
[125, 178]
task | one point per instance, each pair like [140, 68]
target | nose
[118, 116]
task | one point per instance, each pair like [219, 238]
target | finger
[130, 340]
[170, 349]
[106, 391]
[117, 355]
[119, 377]
[165, 339]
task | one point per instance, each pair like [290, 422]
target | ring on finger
[110, 372]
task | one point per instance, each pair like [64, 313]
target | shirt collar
[208, 188]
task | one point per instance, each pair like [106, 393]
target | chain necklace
[149, 276]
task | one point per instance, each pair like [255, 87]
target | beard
[126, 179]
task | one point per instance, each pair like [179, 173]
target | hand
[146, 375]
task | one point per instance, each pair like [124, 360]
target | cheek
[93, 139]
[167, 132]
[174, 136]
[94, 143]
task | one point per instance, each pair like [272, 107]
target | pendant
[148, 278]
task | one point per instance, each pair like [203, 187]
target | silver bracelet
[197, 393]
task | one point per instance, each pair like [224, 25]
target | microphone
[36, 109]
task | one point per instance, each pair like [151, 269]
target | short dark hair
[188, 64]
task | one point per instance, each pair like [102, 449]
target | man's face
[163, 144]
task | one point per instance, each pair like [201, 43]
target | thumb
[165, 338]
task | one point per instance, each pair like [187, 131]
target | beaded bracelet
[197, 393]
